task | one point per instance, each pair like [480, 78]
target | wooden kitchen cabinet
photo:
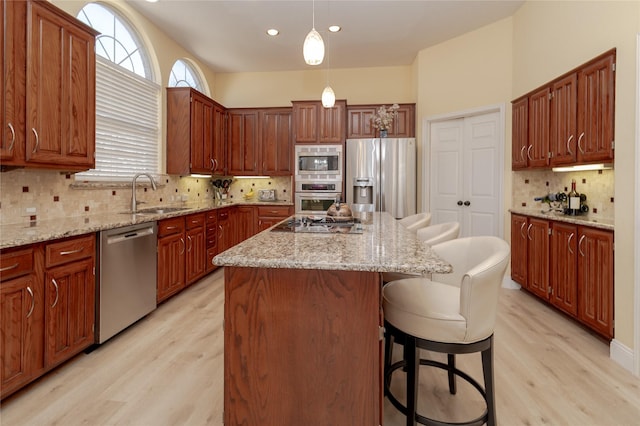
[564, 258]
[563, 120]
[270, 215]
[220, 165]
[538, 257]
[48, 88]
[595, 279]
[312, 123]
[243, 141]
[60, 89]
[519, 133]
[171, 257]
[226, 229]
[359, 122]
[196, 255]
[596, 101]
[537, 151]
[22, 317]
[190, 132]
[276, 142]
[519, 243]
[211, 223]
[69, 297]
[244, 217]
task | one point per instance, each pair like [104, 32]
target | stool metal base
[411, 362]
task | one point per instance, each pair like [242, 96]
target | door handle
[459, 202]
[580, 246]
[467, 203]
[522, 229]
[55, 284]
[569, 243]
[529, 229]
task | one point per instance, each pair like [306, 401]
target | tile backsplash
[598, 186]
[27, 194]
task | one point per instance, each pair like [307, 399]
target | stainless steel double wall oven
[318, 178]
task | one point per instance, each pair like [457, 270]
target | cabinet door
[12, 86]
[403, 125]
[305, 121]
[245, 220]
[22, 331]
[219, 140]
[243, 142]
[171, 265]
[520, 133]
[538, 148]
[519, 249]
[596, 89]
[69, 310]
[226, 233]
[538, 257]
[359, 122]
[196, 254]
[212, 239]
[564, 258]
[595, 279]
[201, 133]
[331, 125]
[276, 142]
[563, 141]
[60, 91]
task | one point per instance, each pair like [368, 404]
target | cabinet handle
[568, 147]
[213, 164]
[580, 139]
[522, 153]
[522, 229]
[13, 136]
[8, 268]
[221, 230]
[169, 228]
[189, 248]
[569, 242]
[33, 301]
[528, 229]
[529, 152]
[580, 246]
[35, 148]
[184, 246]
[65, 253]
[55, 284]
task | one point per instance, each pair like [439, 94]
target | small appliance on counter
[266, 195]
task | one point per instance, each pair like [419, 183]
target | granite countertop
[18, 234]
[591, 220]
[384, 246]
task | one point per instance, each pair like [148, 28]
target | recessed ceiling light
[152, 1]
[273, 32]
[335, 28]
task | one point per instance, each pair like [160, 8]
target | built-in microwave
[315, 203]
[318, 162]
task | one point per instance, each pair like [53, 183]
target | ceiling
[230, 36]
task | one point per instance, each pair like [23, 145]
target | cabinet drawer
[195, 220]
[270, 211]
[223, 215]
[212, 216]
[70, 250]
[16, 263]
[171, 226]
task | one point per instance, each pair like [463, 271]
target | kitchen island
[303, 322]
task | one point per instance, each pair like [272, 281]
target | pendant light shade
[328, 97]
[313, 48]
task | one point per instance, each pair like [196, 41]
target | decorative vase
[383, 133]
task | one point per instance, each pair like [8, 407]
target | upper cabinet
[242, 142]
[312, 123]
[49, 114]
[191, 132]
[359, 122]
[569, 120]
[276, 142]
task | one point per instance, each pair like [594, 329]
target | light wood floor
[167, 370]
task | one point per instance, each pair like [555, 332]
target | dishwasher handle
[130, 235]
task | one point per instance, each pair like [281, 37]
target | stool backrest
[479, 265]
[439, 233]
[416, 221]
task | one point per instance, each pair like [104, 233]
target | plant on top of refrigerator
[384, 117]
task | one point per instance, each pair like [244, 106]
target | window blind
[127, 124]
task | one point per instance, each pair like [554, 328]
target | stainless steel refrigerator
[381, 175]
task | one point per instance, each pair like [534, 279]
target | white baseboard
[507, 282]
[621, 354]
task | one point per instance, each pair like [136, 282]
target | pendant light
[313, 47]
[328, 95]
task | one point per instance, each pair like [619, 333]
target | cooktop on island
[319, 225]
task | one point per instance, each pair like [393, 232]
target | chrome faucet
[134, 203]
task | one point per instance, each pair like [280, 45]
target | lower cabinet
[196, 247]
[570, 266]
[245, 220]
[270, 215]
[211, 221]
[47, 306]
[226, 229]
[171, 257]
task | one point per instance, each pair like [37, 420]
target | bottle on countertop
[552, 197]
[574, 200]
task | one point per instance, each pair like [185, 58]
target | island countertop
[384, 246]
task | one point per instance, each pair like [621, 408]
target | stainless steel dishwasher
[127, 273]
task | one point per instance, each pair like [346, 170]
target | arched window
[127, 99]
[184, 75]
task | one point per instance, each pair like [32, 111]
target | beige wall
[551, 38]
